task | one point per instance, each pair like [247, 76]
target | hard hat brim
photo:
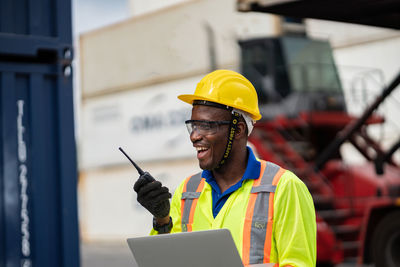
[190, 98]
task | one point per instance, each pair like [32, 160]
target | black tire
[385, 246]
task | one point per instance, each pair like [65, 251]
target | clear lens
[204, 127]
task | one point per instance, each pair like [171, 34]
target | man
[268, 210]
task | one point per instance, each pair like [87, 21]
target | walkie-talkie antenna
[140, 171]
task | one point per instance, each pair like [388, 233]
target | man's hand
[153, 196]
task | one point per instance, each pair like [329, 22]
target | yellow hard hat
[228, 88]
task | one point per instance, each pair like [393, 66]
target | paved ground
[117, 255]
[106, 255]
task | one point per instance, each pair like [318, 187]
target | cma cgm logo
[159, 121]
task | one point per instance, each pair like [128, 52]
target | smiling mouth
[199, 149]
[201, 152]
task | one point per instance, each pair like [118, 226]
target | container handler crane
[305, 122]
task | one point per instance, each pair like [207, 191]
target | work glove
[152, 195]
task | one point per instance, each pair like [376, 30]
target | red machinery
[305, 123]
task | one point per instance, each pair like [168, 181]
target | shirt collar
[252, 169]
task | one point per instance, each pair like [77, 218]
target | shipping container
[38, 176]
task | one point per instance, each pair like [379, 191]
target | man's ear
[241, 130]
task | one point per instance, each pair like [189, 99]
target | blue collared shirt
[218, 199]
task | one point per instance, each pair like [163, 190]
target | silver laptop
[211, 248]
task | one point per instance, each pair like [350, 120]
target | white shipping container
[148, 123]
[173, 43]
[108, 209]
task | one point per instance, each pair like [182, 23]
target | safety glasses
[204, 127]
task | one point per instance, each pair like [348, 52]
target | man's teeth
[201, 148]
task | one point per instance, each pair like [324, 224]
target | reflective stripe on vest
[191, 192]
[257, 232]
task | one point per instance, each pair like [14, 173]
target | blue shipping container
[38, 175]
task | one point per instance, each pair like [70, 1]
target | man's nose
[195, 136]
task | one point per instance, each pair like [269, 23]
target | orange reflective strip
[247, 229]
[278, 176]
[268, 238]
[193, 207]
[184, 190]
[249, 214]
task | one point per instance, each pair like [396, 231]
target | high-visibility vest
[257, 232]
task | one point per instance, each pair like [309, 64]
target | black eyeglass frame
[206, 122]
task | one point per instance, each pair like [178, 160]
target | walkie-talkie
[158, 209]
[142, 173]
